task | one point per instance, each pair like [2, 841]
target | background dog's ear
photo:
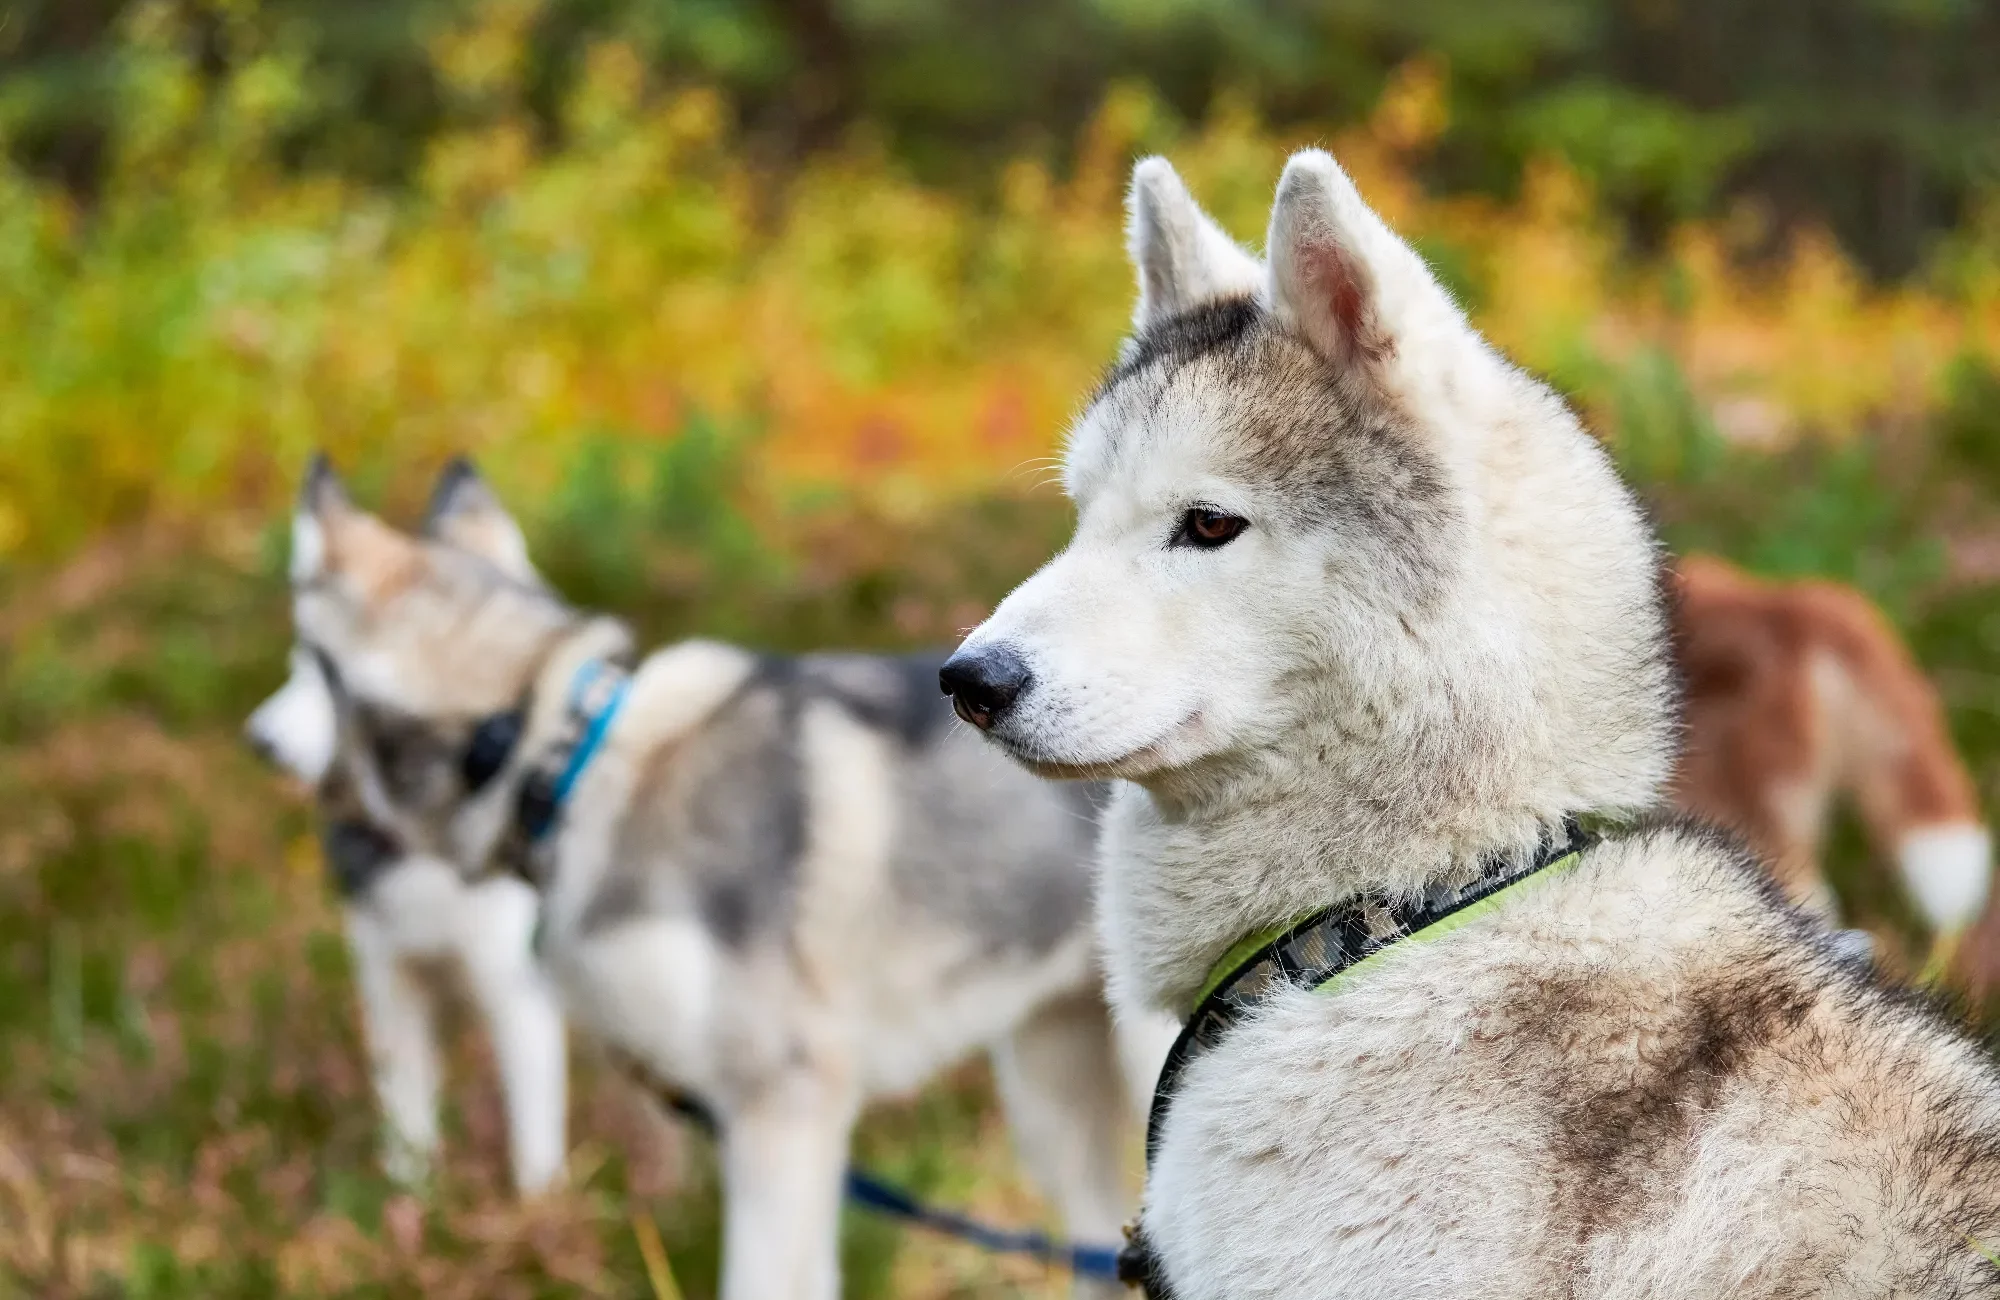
[1339, 275]
[321, 488]
[465, 513]
[322, 500]
[1183, 258]
[333, 537]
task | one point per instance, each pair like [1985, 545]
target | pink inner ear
[1336, 278]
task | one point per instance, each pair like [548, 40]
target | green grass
[183, 1105]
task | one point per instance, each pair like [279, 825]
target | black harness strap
[1306, 955]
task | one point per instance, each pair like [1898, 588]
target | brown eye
[1205, 529]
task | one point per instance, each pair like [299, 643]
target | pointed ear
[322, 502]
[1340, 276]
[465, 513]
[334, 538]
[1183, 258]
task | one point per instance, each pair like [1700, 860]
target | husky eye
[1205, 528]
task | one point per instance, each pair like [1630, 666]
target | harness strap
[596, 694]
[1323, 951]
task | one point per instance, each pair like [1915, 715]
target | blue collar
[596, 693]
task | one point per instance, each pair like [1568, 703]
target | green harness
[1251, 947]
[1324, 951]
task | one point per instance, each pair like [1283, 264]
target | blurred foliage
[772, 339]
[1879, 118]
[182, 340]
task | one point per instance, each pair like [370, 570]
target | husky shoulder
[1651, 1076]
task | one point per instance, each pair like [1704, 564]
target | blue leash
[870, 1192]
[866, 1190]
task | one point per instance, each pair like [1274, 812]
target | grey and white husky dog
[413, 920]
[778, 886]
[1363, 618]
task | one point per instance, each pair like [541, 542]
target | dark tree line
[1880, 117]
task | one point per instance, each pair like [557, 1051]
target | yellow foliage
[177, 352]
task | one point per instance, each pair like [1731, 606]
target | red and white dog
[1799, 693]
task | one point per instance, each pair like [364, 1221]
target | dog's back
[1798, 692]
[725, 816]
[822, 825]
[980, 845]
[1646, 1078]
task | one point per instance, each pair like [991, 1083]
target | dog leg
[526, 1021]
[784, 1161]
[1064, 1092]
[398, 1025]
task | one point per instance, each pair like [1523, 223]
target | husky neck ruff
[1323, 951]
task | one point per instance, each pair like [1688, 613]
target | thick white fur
[1549, 1100]
[421, 913]
[1380, 1142]
[1948, 869]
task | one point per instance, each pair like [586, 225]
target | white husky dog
[1366, 619]
[411, 916]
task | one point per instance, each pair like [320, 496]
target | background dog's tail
[1895, 758]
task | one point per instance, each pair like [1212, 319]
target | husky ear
[1340, 276]
[323, 501]
[321, 489]
[465, 513]
[333, 537]
[1183, 258]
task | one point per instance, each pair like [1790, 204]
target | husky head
[1330, 548]
[413, 645]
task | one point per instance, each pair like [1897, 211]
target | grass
[183, 1108]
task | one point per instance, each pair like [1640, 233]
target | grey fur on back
[720, 820]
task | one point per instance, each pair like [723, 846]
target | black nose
[983, 682]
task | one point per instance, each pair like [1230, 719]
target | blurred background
[765, 316]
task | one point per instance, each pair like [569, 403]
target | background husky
[781, 886]
[411, 917]
[1798, 692]
[1361, 612]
